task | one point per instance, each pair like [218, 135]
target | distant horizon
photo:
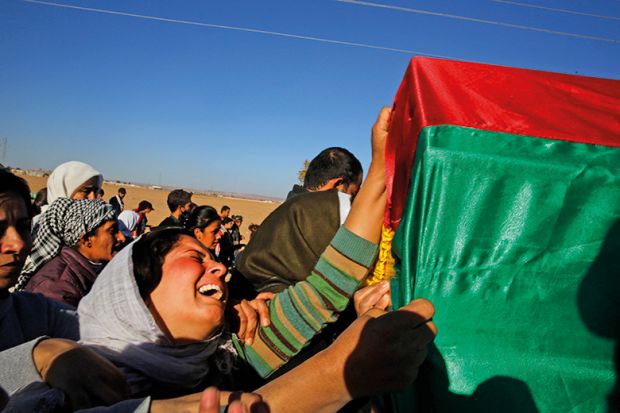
[199, 191]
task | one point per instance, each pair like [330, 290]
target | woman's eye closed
[198, 258]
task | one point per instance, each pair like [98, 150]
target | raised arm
[301, 311]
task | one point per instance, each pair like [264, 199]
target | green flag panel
[516, 241]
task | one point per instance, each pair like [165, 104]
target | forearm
[367, 211]
[300, 312]
[317, 385]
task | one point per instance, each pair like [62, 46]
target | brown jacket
[66, 278]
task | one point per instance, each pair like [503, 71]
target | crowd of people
[102, 312]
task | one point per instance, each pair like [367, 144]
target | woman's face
[209, 235]
[88, 190]
[103, 245]
[190, 300]
[15, 239]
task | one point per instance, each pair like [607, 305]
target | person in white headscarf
[127, 221]
[73, 180]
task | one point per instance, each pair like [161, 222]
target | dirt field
[252, 211]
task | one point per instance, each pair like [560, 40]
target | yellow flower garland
[384, 268]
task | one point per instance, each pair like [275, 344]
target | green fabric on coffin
[516, 242]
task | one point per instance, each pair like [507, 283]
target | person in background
[117, 201]
[185, 215]
[127, 224]
[224, 211]
[253, 228]
[179, 202]
[226, 251]
[74, 180]
[144, 207]
[100, 193]
[235, 230]
[39, 201]
[332, 168]
[71, 245]
[204, 223]
[304, 224]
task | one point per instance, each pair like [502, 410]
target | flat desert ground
[253, 211]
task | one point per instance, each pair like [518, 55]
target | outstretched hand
[385, 350]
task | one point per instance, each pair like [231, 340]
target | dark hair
[144, 205]
[122, 191]
[178, 198]
[16, 185]
[148, 255]
[224, 208]
[253, 228]
[100, 192]
[226, 220]
[93, 232]
[39, 200]
[202, 217]
[332, 163]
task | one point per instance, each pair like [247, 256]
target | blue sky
[192, 105]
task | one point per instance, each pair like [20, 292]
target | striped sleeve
[301, 311]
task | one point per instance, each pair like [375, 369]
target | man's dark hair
[224, 208]
[332, 163]
[144, 205]
[122, 191]
[16, 185]
[178, 198]
[148, 256]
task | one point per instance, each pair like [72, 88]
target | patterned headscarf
[63, 223]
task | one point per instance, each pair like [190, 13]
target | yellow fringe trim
[384, 268]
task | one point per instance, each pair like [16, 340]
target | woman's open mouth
[211, 290]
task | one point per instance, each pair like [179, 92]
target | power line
[238, 28]
[476, 20]
[534, 6]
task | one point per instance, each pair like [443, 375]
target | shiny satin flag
[504, 190]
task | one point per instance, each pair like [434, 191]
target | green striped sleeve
[355, 247]
[301, 311]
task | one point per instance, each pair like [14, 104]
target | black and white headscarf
[63, 223]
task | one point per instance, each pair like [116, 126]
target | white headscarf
[115, 321]
[127, 221]
[68, 177]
